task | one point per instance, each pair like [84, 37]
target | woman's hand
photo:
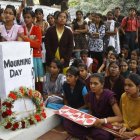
[99, 122]
[122, 130]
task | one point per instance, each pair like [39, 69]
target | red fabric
[131, 25]
[36, 43]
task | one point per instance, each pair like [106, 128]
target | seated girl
[53, 83]
[84, 74]
[102, 105]
[75, 90]
[130, 106]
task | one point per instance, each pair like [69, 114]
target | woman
[10, 31]
[97, 32]
[59, 41]
[114, 81]
[80, 28]
[102, 105]
[130, 104]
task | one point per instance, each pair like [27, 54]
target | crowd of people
[91, 64]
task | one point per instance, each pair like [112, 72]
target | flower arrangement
[9, 118]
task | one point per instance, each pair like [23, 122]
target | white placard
[16, 67]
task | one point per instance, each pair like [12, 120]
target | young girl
[130, 104]
[102, 105]
[124, 71]
[51, 20]
[74, 89]
[114, 80]
[106, 60]
[84, 74]
[32, 34]
[53, 81]
[133, 66]
[9, 30]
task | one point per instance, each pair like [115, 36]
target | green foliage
[103, 6]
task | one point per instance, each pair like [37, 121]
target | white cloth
[114, 40]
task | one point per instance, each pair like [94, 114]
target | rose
[7, 104]
[13, 96]
[15, 126]
[4, 114]
[31, 122]
[8, 125]
[43, 114]
[8, 112]
[23, 124]
[37, 117]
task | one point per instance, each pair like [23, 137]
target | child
[32, 34]
[114, 80]
[9, 30]
[54, 79]
[112, 33]
[84, 75]
[40, 21]
[43, 25]
[130, 104]
[74, 89]
[135, 54]
[124, 69]
[133, 66]
[51, 20]
[86, 60]
[106, 61]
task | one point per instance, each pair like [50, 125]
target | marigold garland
[9, 121]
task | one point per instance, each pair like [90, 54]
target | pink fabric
[12, 34]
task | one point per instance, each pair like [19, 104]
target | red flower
[31, 122]
[15, 125]
[8, 112]
[43, 114]
[13, 96]
[37, 117]
[8, 125]
[4, 114]
[23, 124]
[7, 104]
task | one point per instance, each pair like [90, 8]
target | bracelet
[105, 119]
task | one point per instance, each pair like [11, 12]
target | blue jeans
[130, 38]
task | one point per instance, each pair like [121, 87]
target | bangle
[105, 119]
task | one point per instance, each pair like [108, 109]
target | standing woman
[9, 30]
[80, 28]
[32, 34]
[59, 41]
[130, 106]
[97, 32]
